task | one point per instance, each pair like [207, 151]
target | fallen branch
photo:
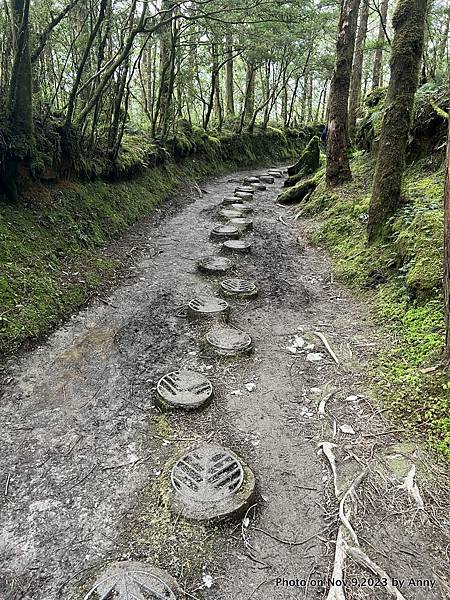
[364, 561]
[327, 449]
[411, 487]
[327, 346]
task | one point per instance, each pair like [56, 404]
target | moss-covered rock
[298, 192]
[307, 164]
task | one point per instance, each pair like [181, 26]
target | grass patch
[410, 303]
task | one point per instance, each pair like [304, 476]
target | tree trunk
[229, 77]
[378, 60]
[20, 98]
[358, 61]
[447, 247]
[167, 67]
[249, 103]
[338, 165]
[407, 47]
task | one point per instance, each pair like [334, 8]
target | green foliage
[410, 304]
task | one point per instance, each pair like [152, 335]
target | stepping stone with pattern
[184, 389]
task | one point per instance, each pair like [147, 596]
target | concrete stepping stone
[247, 189]
[242, 208]
[267, 178]
[208, 308]
[229, 341]
[238, 288]
[232, 200]
[214, 265]
[243, 195]
[184, 389]
[243, 223]
[260, 187]
[211, 483]
[229, 213]
[237, 247]
[276, 173]
[248, 180]
[225, 232]
[129, 579]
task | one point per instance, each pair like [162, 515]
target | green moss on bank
[52, 243]
[409, 305]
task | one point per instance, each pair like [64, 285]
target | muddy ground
[84, 451]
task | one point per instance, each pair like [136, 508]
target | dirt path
[83, 448]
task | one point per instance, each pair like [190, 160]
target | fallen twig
[327, 449]
[327, 346]
[411, 487]
[364, 561]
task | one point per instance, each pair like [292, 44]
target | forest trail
[83, 448]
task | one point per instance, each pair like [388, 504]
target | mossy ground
[52, 242]
[409, 305]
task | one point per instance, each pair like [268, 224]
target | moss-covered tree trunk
[447, 247]
[409, 25]
[338, 165]
[229, 76]
[358, 61]
[378, 60]
[20, 100]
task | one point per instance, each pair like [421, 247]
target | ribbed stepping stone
[210, 483]
[214, 265]
[225, 232]
[230, 213]
[184, 389]
[266, 178]
[243, 195]
[228, 341]
[247, 189]
[242, 208]
[231, 200]
[208, 308]
[238, 288]
[237, 246]
[242, 222]
[251, 180]
[129, 579]
[261, 187]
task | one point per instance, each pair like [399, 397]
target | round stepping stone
[229, 341]
[238, 288]
[243, 195]
[128, 579]
[221, 232]
[231, 200]
[261, 187]
[267, 178]
[277, 174]
[237, 246]
[213, 265]
[242, 209]
[247, 189]
[251, 180]
[230, 213]
[184, 389]
[211, 483]
[208, 308]
[242, 222]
